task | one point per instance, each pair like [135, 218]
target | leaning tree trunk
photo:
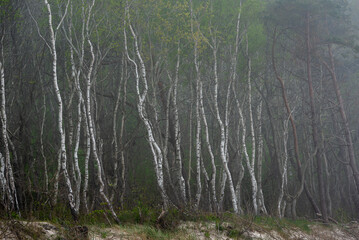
[314, 123]
[343, 115]
[300, 172]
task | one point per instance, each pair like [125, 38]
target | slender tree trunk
[209, 147]
[261, 205]
[75, 77]
[300, 172]
[121, 139]
[114, 183]
[179, 176]
[198, 118]
[251, 169]
[42, 134]
[98, 166]
[63, 155]
[198, 137]
[343, 115]
[315, 135]
[156, 151]
[222, 190]
[87, 159]
[233, 81]
[164, 144]
[223, 145]
[7, 175]
[284, 173]
[189, 193]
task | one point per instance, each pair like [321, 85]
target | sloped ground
[203, 230]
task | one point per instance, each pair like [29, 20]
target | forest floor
[239, 228]
[208, 230]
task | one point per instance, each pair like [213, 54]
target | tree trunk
[300, 172]
[343, 115]
[314, 123]
[63, 155]
[156, 151]
[179, 176]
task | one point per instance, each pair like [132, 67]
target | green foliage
[8, 13]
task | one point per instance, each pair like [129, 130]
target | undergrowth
[144, 221]
[281, 224]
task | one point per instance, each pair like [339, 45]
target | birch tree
[62, 155]
[6, 172]
[141, 97]
[89, 82]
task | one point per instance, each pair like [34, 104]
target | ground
[242, 229]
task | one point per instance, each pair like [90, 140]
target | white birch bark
[87, 158]
[261, 205]
[76, 160]
[246, 155]
[198, 145]
[233, 81]
[209, 148]
[75, 74]
[241, 171]
[250, 162]
[42, 134]
[63, 155]
[7, 174]
[223, 144]
[222, 189]
[282, 203]
[251, 167]
[207, 185]
[238, 186]
[180, 179]
[90, 119]
[189, 193]
[3, 181]
[114, 183]
[56, 180]
[156, 151]
[165, 144]
[121, 141]
[198, 119]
